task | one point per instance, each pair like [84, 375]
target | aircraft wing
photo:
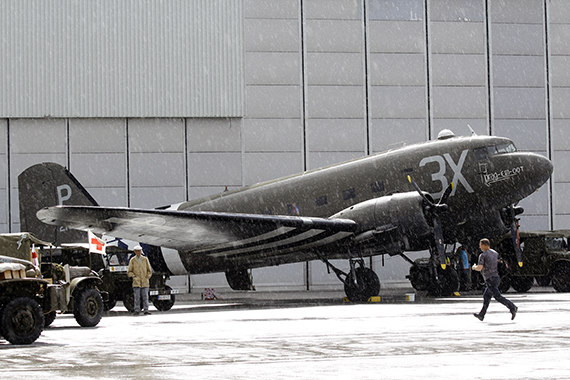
[201, 231]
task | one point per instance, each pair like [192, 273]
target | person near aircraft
[464, 268]
[141, 272]
[487, 265]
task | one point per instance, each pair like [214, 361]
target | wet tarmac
[280, 336]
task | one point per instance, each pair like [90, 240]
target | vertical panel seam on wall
[428, 69]
[489, 68]
[186, 176]
[128, 162]
[303, 84]
[548, 112]
[366, 78]
[67, 145]
[304, 112]
[9, 180]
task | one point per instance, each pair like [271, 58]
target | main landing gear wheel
[361, 284]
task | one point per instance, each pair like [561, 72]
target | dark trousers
[492, 290]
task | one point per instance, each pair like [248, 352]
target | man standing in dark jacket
[487, 265]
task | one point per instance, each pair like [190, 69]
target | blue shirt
[464, 259]
[489, 260]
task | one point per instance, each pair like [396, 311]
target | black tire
[368, 285]
[449, 281]
[561, 278]
[522, 284]
[505, 284]
[129, 301]
[111, 303]
[49, 318]
[543, 280]
[22, 321]
[164, 305]
[419, 277]
[88, 307]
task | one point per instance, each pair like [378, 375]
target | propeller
[510, 213]
[434, 209]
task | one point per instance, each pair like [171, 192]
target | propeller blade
[420, 192]
[438, 235]
[446, 194]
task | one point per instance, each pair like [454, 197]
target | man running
[487, 265]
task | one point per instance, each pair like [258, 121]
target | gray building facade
[156, 103]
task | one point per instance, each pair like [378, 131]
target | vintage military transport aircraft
[417, 197]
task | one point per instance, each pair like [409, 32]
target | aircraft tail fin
[50, 184]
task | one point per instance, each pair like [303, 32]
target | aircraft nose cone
[541, 167]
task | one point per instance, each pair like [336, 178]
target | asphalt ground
[308, 335]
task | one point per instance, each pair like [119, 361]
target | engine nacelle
[401, 213]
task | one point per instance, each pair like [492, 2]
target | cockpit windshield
[484, 153]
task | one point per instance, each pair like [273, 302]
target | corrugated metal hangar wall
[171, 100]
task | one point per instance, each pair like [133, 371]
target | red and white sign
[96, 245]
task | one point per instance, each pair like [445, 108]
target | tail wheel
[361, 284]
[22, 321]
[88, 307]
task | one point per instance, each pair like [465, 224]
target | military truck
[55, 288]
[21, 316]
[546, 259]
[112, 269]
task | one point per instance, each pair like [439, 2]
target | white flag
[96, 245]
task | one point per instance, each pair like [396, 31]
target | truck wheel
[164, 305]
[129, 301]
[88, 307]
[522, 284]
[49, 318]
[22, 321]
[110, 303]
[561, 278]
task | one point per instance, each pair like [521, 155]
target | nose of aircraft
[534, 171]
[515, 176]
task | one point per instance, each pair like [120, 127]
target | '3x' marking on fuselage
[439, 176]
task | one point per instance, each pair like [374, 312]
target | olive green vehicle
[546, 260]
[55, 288]
[21, 316]
[112, 270]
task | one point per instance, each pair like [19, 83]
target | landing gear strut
[360, 283]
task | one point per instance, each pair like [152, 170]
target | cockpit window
[484, 153]
[506, 148]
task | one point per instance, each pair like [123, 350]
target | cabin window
[348, 194]
[321, 201]
[377, 186]
[481, 154]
